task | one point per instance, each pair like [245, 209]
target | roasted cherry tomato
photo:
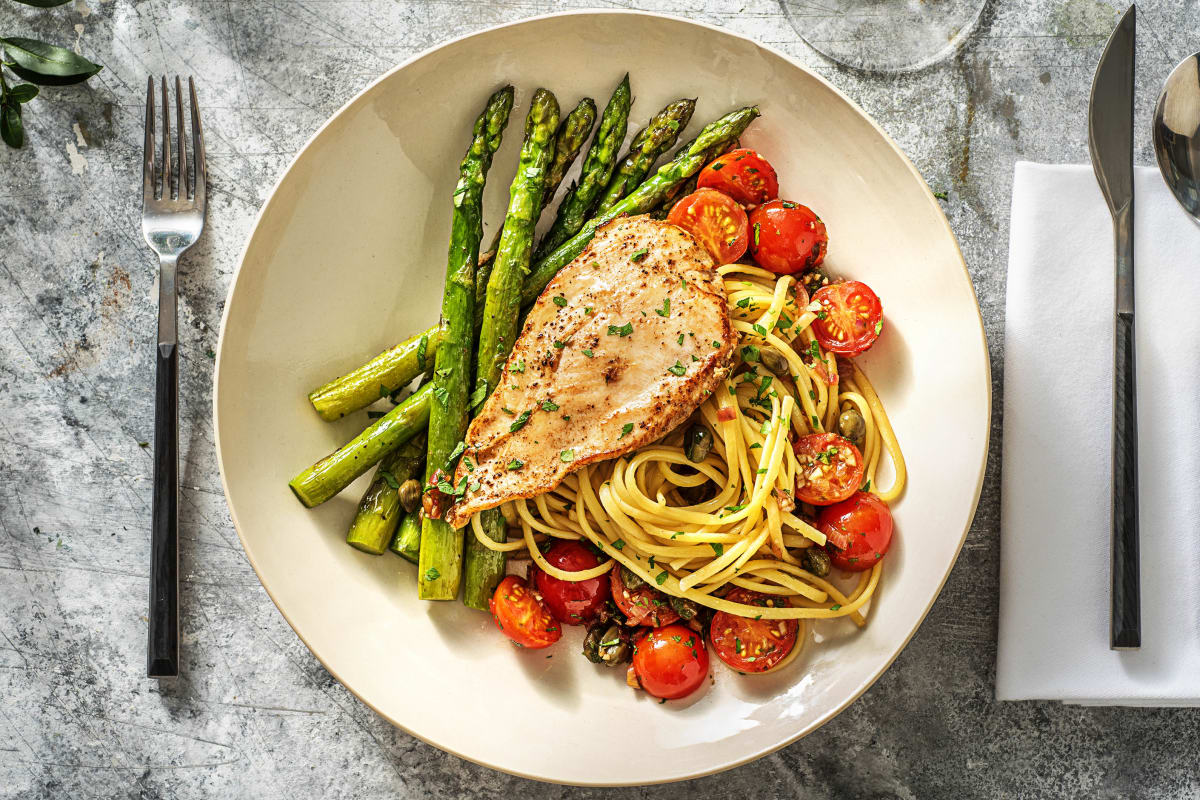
[742, 174]
[670, 662]
[571, 602]
[522, 616]
[748, 644]
[642, 605]
[858, 530]
[829, 470]
[786, 237]
[716, 221]
[851, 317]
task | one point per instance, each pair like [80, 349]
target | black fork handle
[162, 657]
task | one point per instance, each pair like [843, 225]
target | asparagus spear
[440, 564]
[568, 141]
[651, 142]
[379, 511]
[407, 541]
[338, 470]
[643, 199]
[597, 169]
[382, 375]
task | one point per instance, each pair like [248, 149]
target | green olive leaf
[23, 93]
[12, 131]
[47, 64]
[44, 3]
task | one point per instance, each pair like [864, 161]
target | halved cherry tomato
[786, 237]
[571, 602]
[858, 530]
[644, 605]
[716, 221]
[851, 317]
[742, 174]
[670, 662]
[829, 470]
[752, 645]
[522, 616]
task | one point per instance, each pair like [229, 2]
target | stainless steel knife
[1110, 140]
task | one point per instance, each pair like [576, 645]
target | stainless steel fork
[173, 204]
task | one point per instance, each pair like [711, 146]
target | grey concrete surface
[256, 715]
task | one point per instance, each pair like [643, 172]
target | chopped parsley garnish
[443, 373]
[762, 387]
[549, 405]
[619, 544]
[458, 450]
[558, 345]
[519, 366]
[559, 300]
[813, 350]
[626, 429]
[621, 331]
[479, 395]
[432, 574]
[665, 311]
[759, 329]
[516, 464]
[638, 255]
[567, 456]
[716, 167]
[866, 487]
[589, 353]
[835, 607]
[680, 339]
[519, 422]
[716, 345]
[816, 423]
[390, 478]
[788, 204]
[756, 227]
[660, 578]
[750, 353]
[442, 395]
[678, 369]
[744, 302]
[587, 309]
[784, 322]
[717, 547]
[695, 357]
[566, 417]
[878, 327]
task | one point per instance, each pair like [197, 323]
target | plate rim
[868, 682]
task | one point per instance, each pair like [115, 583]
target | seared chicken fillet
[621, 347]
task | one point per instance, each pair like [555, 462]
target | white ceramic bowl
[347, 258]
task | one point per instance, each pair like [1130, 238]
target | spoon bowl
[1177, 134]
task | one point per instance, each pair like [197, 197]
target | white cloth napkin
[1055, 507]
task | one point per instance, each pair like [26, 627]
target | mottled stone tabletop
[256, 715]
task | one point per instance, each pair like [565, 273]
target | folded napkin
[1056, 489]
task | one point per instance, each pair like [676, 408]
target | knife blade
[1110, 141]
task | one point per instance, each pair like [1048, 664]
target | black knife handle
[162, 656]
[1126, 631]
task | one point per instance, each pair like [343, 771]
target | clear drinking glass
[884, 35]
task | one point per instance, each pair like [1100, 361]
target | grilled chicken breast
[623, 344]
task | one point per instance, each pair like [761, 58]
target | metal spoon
[1177, 134]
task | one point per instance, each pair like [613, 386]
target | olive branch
[39, 64]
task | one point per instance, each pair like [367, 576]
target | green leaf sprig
[40, 64]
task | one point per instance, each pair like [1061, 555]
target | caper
[697, 443]
[773, 360]
[410, 494]
[686, 609]
[852, 426]
[606, 644]
[816, 561]
[813, 280]
[630, 579]
[591, 642]
[614, 647]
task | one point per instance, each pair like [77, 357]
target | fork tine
[201, 181]
[181, 170]
[166, 149]
[148, 153]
